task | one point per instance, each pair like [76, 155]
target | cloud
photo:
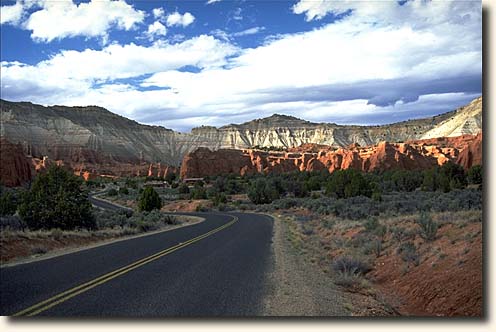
[156, 29]
[12, 14]
[209, 2]
[236, 14]
[68, 71]
[362, 67]
[177, 19]
[158, 13]
[250, 31]
[61, 19]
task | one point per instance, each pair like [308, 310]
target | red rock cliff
[15, 169]
[422, 154]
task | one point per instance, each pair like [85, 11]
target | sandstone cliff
[286, 131]
[421, 154]
[15, 169]
[94, 142]
[465, 120]
[91, 135]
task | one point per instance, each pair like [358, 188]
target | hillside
[94, 136]
[286, 131]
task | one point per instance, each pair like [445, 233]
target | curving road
[215, 268]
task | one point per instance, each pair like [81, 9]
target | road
[215, 268]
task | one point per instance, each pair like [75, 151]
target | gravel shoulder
[296, 287]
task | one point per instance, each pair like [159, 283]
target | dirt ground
[446, 280]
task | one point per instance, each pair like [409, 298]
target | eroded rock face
[472, 154]
[15, 169]
[422, 154]
[94, 135]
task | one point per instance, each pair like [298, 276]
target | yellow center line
[70, 293]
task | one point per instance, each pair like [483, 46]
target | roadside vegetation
[55, 212]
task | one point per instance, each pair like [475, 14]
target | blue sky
[182, 64]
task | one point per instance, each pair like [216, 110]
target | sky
[183, 64]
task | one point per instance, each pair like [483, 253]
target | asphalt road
[221, 272]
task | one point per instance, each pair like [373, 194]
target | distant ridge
[69, 133]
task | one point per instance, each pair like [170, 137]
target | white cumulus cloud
[156, 29]
[63, 18]
[177, 19]
[11, 13]
[158, 13]
[370, 65]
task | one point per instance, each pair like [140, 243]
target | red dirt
[447, 286]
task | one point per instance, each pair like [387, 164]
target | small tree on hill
[7, 203]
[262, 192]
[474, 174]
[149, 200]
[56, 200]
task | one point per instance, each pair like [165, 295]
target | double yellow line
[68, 294]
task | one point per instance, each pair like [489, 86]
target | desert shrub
[131, 183]
[307, 230]
[377, 247]
[12, 222]
[351, 264]
[474, 174]
[448, 177]
[399, 233]
[39, 250]
[110, 219]
[219, 199]
[170, 177]
[123, 191]
[145, 226]
[8, 203]
[377, 196]
[428, 227]
[380, 231]
[183, 189]
[57, 200]
[371, 224]
[149, 200]
[327, 223]
[170, 220]
[374, 246]
[263, 192]
[112, 192]
[347, 183]
[198, 193]
[202, 208]
[408, 253]
[285, 203]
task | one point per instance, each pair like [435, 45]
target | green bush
[428, 227]
[348, 183]
[8, 204]
[123, 191]
[262, 192]
[218, 199]
[198, 193]
[348, 264]
[474, 175]
[170, 177]
[56, 200]
[183, 189]
[408, 253]
[371, 224]
[112, 192]
[149, 200]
